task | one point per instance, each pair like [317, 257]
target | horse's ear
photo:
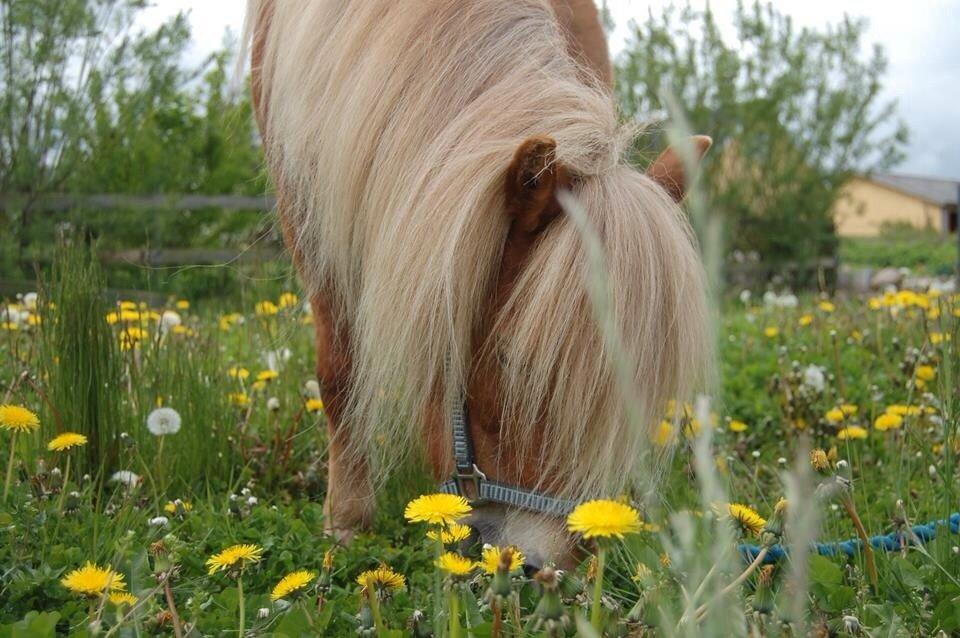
[669, 169]
[532, 181]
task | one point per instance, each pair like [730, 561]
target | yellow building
[868, 204]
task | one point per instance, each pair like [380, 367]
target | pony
[419, 150]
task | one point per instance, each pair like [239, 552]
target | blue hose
[887, 542]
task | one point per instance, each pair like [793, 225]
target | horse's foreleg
[349, 502]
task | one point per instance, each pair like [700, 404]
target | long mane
[390, 126]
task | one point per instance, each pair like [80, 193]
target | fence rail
[58, 203]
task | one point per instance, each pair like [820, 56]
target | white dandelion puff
[163, 421]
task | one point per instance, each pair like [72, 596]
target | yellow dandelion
[748, 519]
[805, 321]
[737, 426]
[819, 460]
[291, 583]
[925, 373]
[183, 304]
[437, 509]
[171, 507]
[267, 375]
[66, 441]
[454, 564]
[239, 399]
[16, 418]
[603, 519]
[450, 534]
[237, 372]
[382, 579]
[903, 410]
[287, 300]
[664, 435]
[887, 421]
[852, 433]
[91, 580]
[265, 308]
[234, 557]
[770, 332]
[826, 306]
[490, 559]
[313, 405]
[120, 598]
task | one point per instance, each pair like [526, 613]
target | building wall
[865, 207]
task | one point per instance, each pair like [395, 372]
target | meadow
[189, 501]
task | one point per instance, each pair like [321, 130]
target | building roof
[940, 191]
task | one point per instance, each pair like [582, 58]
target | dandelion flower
[163, 421]
[291, 583]
[851, 433]
[91, 580]
[236, 372]
[603, 519]
[128, 478]
[490, 559]
[746, 518]
[454, 564]
[737, 426]
[381, 579]
[239, 399]
[267, 375]
[925, 373]
[437, 509]
[119, 598]
[66, 441]
[313, 405]
[265, 308]
[16, 418]
[287, 300]
[451, 534]
[234, 557]
[172, 507]
[819, 460]
[770, 332]
[887, 421]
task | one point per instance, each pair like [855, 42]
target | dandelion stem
[597, 589]
[63, 488]
[453, 606]
[864, 539]
[240, 604]
[174, 618]
[13, 451]
[497, 619]
[375, 610]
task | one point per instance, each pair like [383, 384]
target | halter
[472, 484]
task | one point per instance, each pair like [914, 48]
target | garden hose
[887, 542]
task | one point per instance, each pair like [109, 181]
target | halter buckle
[470, 476]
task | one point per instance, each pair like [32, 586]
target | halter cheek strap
[472, 484]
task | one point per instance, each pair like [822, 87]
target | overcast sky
[921, 38]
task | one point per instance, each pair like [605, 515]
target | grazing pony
[417, 148]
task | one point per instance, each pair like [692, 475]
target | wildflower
[383, 580]
[287, 300]
[273, 404]
[15, 418]
[91, 580]
[925, 373]
[451, 534]
[603, 519]
[265, 308]
[748, 519]
[838, 414]
[887, 421]
[158, 521]
[805, 320]
[182, 304]
[454, 564]
[490, 559]
[903, 410]
[664, 434]
[66, 441]
[291, 583]
[169, 320]
[770, 332]
[267, 375]
[120, 598]
[125, 477]
[437, 509]
[814, 378]
[311, 389]
[737, 426]
[239, 399]
[819, 460]
[236, 372]
[853, 432]
[313, 405]
[234, 557]
[826, 306]
[177, 507]
[163, 421]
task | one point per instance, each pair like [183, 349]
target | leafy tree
[793, 114]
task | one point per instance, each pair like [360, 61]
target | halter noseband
[472, 484]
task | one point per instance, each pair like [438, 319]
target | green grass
[924, 252]
[79, 378]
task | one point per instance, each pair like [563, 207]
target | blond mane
[391, 125]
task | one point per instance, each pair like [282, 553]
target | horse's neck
[580, 20]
